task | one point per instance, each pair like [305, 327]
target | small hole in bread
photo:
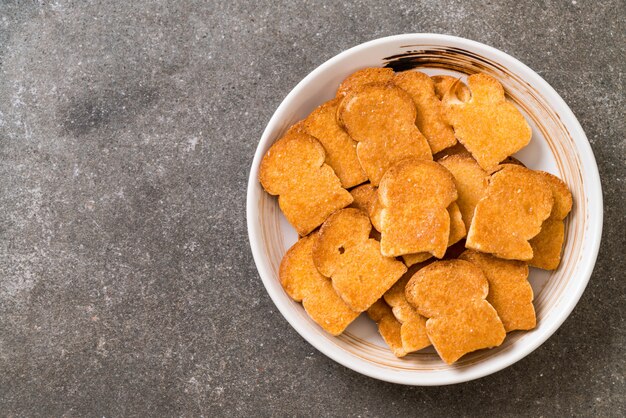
[341, 250]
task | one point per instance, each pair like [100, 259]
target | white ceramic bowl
[558, 146]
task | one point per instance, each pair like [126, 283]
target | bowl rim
[593, 196]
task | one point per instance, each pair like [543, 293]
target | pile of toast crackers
[410, 207]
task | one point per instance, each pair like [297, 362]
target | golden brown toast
[413, 325]
[347, 255]
[451, 294]
[470, 180]
[381, 118]
[516, 203]
[548, 243]
[414, 196]
[509, 291]
[340, 148]
[305, 284]
[362, 77]
[308, 189]
[388, 326]
[487, 125]
[457, 233]
[430, 119]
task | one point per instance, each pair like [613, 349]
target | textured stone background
[127, 130]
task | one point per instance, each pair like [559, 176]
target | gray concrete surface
[127, 286]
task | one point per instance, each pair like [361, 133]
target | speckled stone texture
[127, 129]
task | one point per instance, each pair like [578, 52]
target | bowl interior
[557, 146]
